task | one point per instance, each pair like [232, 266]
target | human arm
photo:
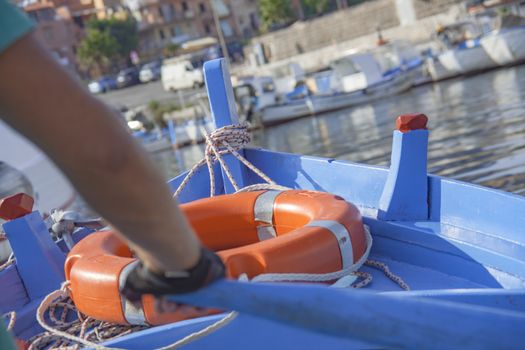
[105, 164]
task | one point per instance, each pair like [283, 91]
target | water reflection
[477, 131]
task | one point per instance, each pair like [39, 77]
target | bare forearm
[87, 141]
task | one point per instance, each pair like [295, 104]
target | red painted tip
[413, 121]
[22, 345]
[16, 206]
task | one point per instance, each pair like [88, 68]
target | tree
[171, 50]
[107, 41]
[315, 7]
[124, 32]
[274, 13]
[97, 48]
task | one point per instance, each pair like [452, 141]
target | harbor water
[477, 131]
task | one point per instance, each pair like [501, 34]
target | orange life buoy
[259, 232]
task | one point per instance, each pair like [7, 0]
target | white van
[180, 74]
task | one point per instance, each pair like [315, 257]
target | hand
[141, 280]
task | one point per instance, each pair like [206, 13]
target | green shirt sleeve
[13, 24]
[6, 342]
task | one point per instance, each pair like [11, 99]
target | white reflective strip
[263, 212]
[134, 315]
[343, 238]
[263, 208]
[266, 232]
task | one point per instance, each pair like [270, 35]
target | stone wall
[341, 26]
[425, 8]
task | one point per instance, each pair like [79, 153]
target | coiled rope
[87, 331]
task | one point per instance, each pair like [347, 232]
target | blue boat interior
[449, 241]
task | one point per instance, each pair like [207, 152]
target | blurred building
[55, 29]
[164, 23]
[82, 11]
[246, 17]
[60, 23]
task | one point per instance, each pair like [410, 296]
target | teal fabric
[13, 24]
[6, 342]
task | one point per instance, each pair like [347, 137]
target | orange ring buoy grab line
[254, 233]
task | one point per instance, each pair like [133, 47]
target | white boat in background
[287, 76]
[353, 79]
[506, 45]
[462, 51]
[51, 189]
[402, 55]
[437, 71]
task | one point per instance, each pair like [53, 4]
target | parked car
[128, 77]
[150, 72]
[177, 74]
[103, 84]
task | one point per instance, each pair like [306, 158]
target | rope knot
[226, 138]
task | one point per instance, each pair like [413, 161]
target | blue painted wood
[363, 315]
[245, 332]
[26, 325]
[12, 290]
[39, 261]
[478, 208]
[172, 133]
[404, 197]
[509, 299]
[358, 183]
[224, 112]
[199, 186]
[423, 244]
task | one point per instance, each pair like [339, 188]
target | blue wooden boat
[460, 248]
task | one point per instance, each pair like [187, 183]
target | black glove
[143, 281]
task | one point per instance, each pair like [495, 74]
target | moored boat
[505, 45]
[462, 50]
[447, 258]
[351, 80]
[505, 30]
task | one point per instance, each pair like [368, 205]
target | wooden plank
[362, 315]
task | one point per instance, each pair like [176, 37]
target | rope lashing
[226, 140]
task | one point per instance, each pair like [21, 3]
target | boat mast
[216, 19]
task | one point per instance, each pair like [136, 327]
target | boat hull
[466, 60]
[457, 255]
[457, 249]
[507, 46]
[317, 104]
